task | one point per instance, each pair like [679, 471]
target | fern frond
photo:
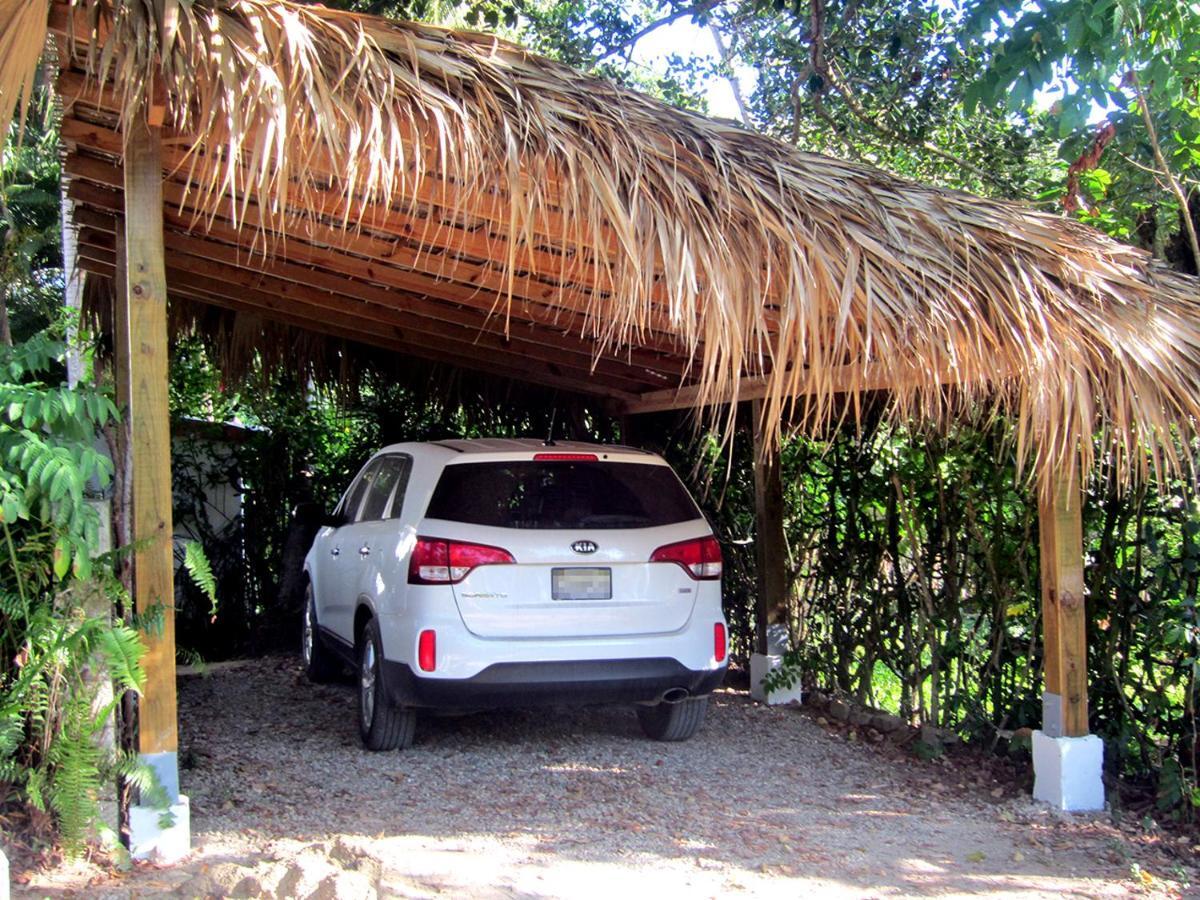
[123, 651]
[200, 570]
[75, 759]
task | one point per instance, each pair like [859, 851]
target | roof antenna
[549, 441]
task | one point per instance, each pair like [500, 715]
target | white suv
[470, 574]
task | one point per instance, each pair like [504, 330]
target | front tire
[673, 721]
[381, 724]
[320, 665]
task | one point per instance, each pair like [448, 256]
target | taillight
[427, 651]
[566, 457]
[700, 557]
[438, 561]
[719, 642]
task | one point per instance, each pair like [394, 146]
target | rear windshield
[532, 494]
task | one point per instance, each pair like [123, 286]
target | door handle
[336, 551]
[364, 550]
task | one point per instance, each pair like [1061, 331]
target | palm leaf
[22, 37]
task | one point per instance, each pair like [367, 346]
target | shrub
[60, 642]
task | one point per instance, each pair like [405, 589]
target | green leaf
[62, 558]
[61, 483]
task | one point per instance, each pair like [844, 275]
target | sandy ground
[764, 802]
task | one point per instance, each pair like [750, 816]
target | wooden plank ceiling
[417, 278]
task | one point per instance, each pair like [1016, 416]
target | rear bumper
[516, 684]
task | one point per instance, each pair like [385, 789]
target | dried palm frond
[818, 276]
[22, 37]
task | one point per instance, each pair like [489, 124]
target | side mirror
[333, 520]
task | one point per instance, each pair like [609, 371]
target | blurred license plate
[581, 584]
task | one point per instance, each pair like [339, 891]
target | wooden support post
[769, 543]
[141, 325]
[1064, 616]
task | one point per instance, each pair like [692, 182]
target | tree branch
[1176, 188]
[627, 45]
[730, 74]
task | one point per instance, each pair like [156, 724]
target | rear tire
[320, 665]
[673, 721]
[381, 724]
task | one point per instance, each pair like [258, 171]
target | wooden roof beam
[530, 371]
[317, 308]
[836, 380]
[392, 307]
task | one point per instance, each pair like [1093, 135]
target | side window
[381, 480]
[401, 486]
[352, 500]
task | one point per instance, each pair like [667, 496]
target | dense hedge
[913, 563]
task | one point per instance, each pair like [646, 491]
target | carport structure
[451, 197]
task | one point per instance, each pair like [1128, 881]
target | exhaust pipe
[675, 695]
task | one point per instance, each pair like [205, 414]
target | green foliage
[30, 230]
[1144, 562]
[487, 14]
[52, 722]
[59, 642]
[48, 452]
[1135, 63]
[787, 676]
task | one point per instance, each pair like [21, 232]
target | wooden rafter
[311, 310]
[268, 308]
[314, 250]
[369, 302]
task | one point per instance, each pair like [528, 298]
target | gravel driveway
[763, 802]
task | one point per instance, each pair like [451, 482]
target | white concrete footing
[760, 665]
[148, 839]
[1067, 772]
[3, 876]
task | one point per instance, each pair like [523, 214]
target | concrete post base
[1067, 772]
[760, 665]
[148, 839]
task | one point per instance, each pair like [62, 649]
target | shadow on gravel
[760, 791]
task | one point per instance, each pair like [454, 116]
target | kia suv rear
[496, 573]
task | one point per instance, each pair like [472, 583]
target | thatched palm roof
[675, 250]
